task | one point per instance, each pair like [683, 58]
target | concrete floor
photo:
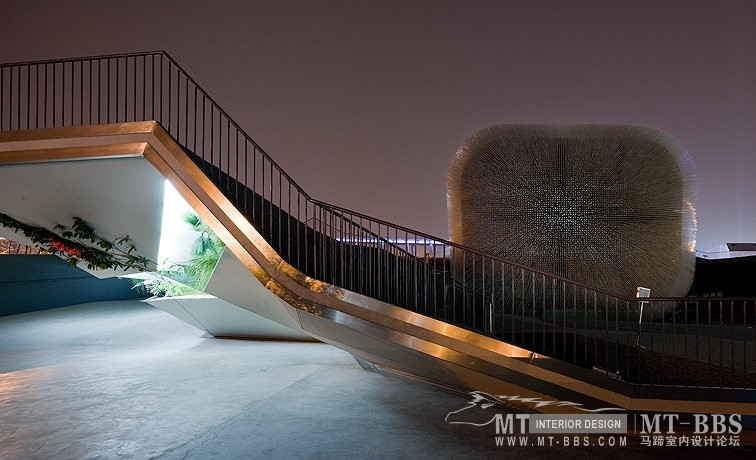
[125, 380]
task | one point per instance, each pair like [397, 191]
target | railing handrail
[84, 58]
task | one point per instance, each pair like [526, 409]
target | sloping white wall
[118, 197]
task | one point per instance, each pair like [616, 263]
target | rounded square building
[609, 206]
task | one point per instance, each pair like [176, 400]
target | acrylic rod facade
[609, 206]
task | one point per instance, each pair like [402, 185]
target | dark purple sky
[365, 103]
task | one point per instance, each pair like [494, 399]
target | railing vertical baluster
[73, 82]
[237, 202]
[662, 364]
[533, 310]
[674, 340]
[270, 204]
[54, 95]
[333, 249]
[306, 232]
[397, 261]
[32, 94]
[62, 94]
[341, 248]
[323, 249]
[444, 275]
[28, 97]
[247, 185]
[133, 92]
[99, 91]
[11, 113]
[264, 205]
[415, 271]
[7, 99]
[36, 95]
[708, 334]
[108, 89]
[90, 110]
[20, 96]
[212, 144]
[186, 113]
[606, 334]
[17, 94]
[574, 322]
[194, 136]
[160, 80]
[178, 106]
[117, 88]
[44, 119]
[564, 317]
[544, 330]
[299, 201]
[317, 224]
[616, 336]
[503, 305]
[652, 324]
[591, 323]
[513, 310]
[144, 90]
[698, 346]
[81, 93]
[2, 100]
[170, 97]
[628, 339]
[226, 150]
[362, 266]
[464, 289]
[553, 314]
[721, 345]
[370, 260]
[351, 257]
[11, 105]
[745, 344]
[153, 93]
[685, 333]
[254, 195]
[732, 346]
[453, 271]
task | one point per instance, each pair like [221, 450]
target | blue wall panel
[30, 283]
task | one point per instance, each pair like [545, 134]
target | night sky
[365, 103]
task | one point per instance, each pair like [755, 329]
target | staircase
[455, 316]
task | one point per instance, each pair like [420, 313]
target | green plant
[193, 276]
[206, 251]
[80, 243]
[174, 282]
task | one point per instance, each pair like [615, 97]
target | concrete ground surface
[125, 380]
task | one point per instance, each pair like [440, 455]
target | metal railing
[687, 342]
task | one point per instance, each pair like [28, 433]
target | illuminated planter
[609, 206]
